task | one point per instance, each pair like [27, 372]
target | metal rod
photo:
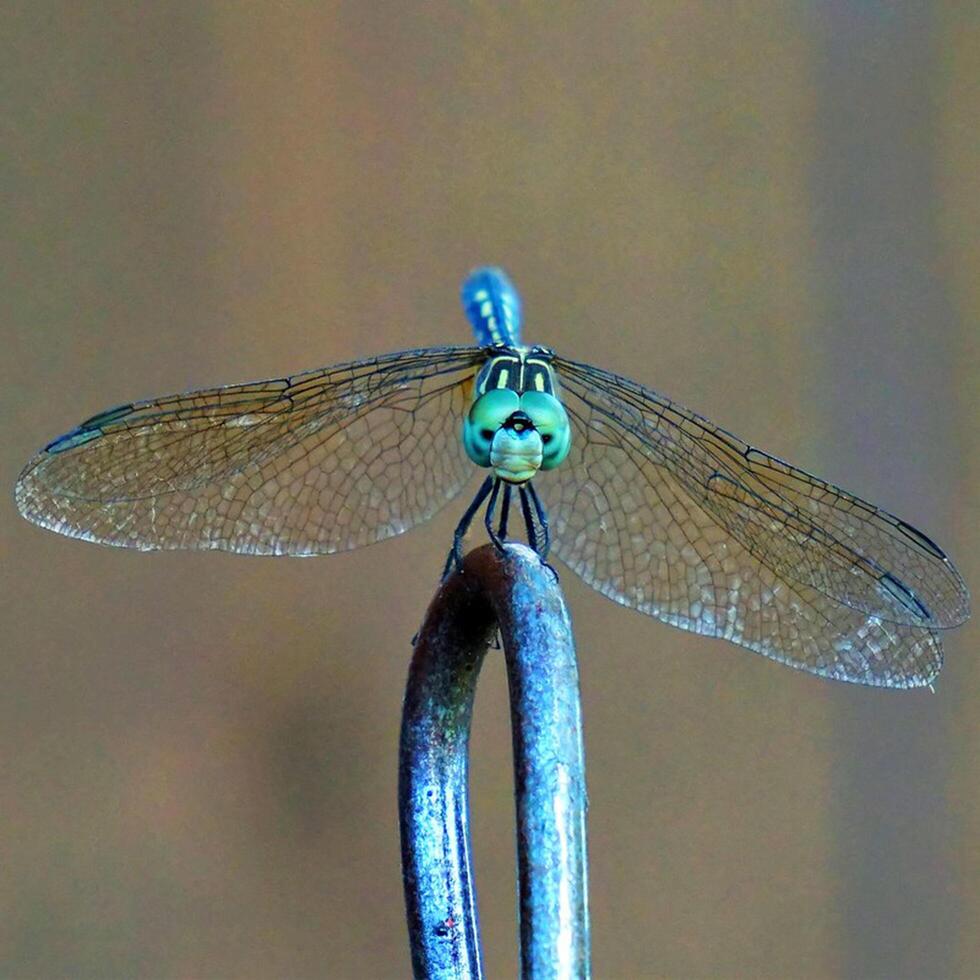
[518, 594]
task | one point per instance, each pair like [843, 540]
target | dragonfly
[651, 504]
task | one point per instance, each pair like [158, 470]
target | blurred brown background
[766, 210]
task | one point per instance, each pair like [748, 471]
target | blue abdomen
[493, 306]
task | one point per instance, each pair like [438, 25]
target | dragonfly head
[516, 435]
[516, 451]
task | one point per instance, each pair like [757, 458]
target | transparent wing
[663, 511]
[319, 462]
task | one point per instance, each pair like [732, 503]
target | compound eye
[550, 419]
[486, 415]
[493, 408]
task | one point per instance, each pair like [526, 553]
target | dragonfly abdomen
[493, 307]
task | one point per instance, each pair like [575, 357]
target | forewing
[315, 463]
[663, 511]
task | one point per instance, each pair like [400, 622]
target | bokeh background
[766, 210]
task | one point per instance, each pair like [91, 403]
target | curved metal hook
[518, 594]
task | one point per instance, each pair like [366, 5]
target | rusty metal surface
[521, 597]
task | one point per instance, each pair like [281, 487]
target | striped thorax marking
[519, 369]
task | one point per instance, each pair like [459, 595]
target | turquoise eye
[487, 414]
[550, 419]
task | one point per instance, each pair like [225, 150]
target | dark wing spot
[90, 429]
[920, 539]
[72, 439]
[900, 591]
[110, 415]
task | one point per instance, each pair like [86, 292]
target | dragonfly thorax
[518, 368]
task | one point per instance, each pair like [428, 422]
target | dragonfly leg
[504, 512]
[529, 499]
[542, 520]
[542, 516]
[532, 534]
[488, 520]
[455, 558]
